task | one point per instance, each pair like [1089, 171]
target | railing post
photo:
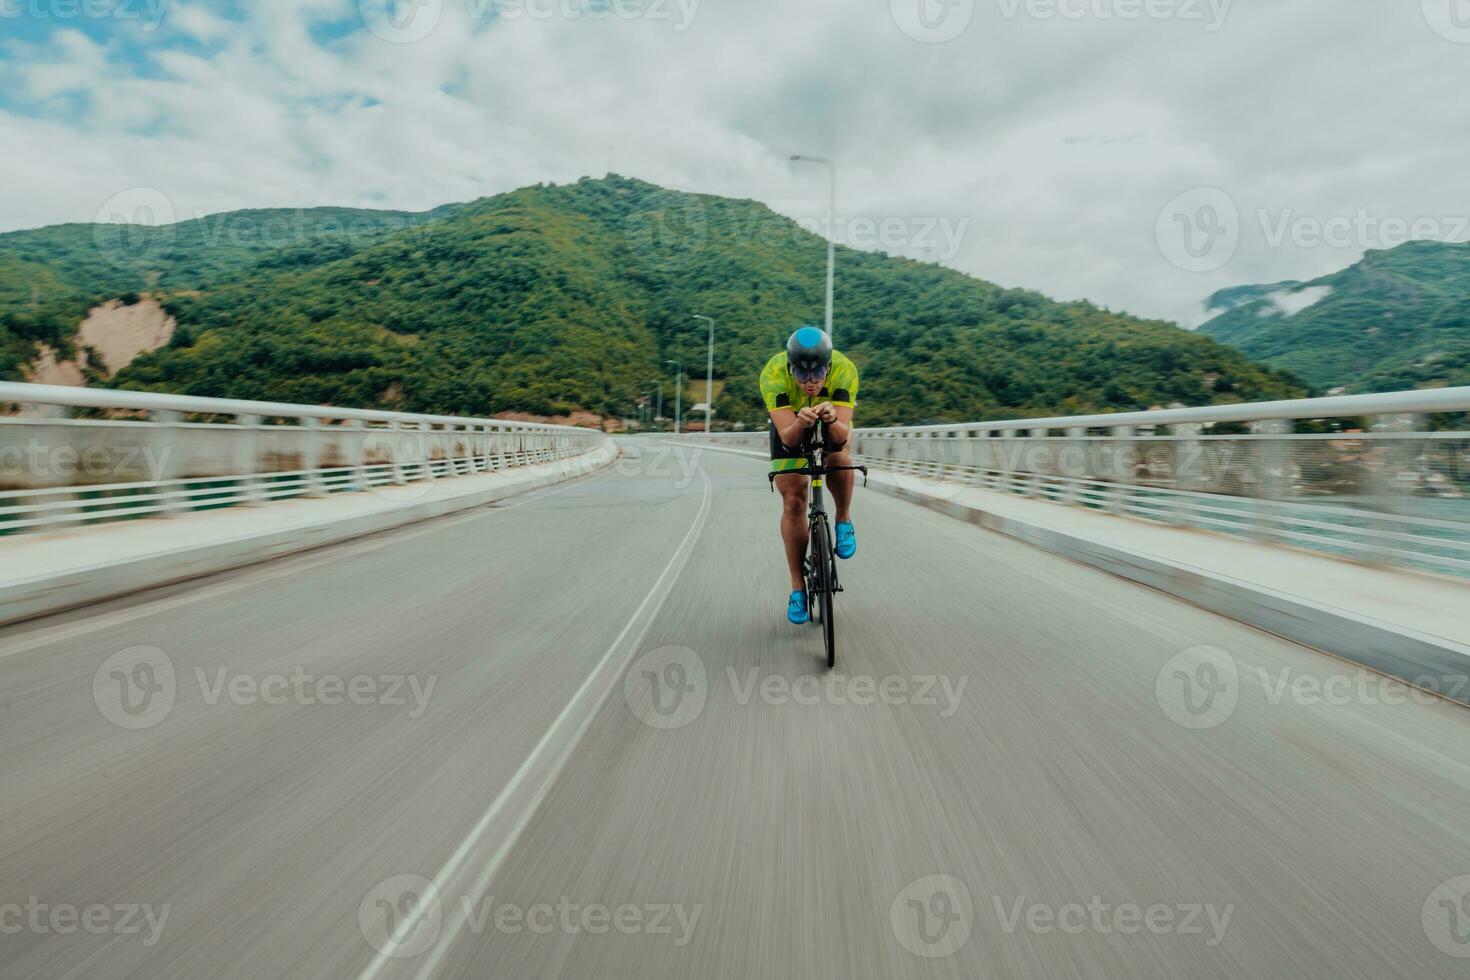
[1006, 481]
[1270, 459]
[1124, 458]
[248, 459]
[1188, 467]
[1392, 470]
[1076, 482]
[1036, 485]
[165, 438]
[395, 448]
[311, 435]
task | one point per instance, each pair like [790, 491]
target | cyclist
[807, 383]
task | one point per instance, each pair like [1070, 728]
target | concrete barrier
[220, 542]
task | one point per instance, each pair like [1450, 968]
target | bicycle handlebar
[819, 471]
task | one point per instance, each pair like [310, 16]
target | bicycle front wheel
[825, 585]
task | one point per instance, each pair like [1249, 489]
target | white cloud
[1292, 302]
[1058, 140]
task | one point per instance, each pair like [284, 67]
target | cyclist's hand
[808, 417]
[825, 412]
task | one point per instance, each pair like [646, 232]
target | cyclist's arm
[790, 427]
[841, 427]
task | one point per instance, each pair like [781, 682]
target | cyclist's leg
[793, 490]
[841, 485]
[844, 534]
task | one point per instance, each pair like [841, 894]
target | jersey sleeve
[773, 385]
[844, 384]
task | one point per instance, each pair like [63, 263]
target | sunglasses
[816, 374]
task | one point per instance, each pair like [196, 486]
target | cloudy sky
[1138, 153]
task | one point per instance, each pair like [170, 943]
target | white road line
[549, 756]
[297, 564]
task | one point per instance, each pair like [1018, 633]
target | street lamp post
[678, 392]
[659, 411]
[709, 383]
[831, 217]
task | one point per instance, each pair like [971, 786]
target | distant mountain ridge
[561, 299]
[1398, 319]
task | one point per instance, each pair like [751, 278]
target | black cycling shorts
[794, 459]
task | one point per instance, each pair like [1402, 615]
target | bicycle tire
[824, 599]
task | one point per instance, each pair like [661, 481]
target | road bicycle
[819, 569]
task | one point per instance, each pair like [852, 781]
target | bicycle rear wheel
[825, 585]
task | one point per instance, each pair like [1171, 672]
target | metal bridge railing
[71, 456]
[1381, 478]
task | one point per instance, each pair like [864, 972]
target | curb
[36, 597]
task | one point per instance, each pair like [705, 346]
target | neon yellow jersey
[780, 390]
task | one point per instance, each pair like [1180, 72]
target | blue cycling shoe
[796, 609]
[846, 545]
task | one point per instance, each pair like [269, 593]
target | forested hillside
[551, 299]
[1398, 319]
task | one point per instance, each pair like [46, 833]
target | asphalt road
[571, 735]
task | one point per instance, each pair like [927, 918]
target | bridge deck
[1033, 745]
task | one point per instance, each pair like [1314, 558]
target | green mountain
[1398, 319]
[50, 277]
[552, 299]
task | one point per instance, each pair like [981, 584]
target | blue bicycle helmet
[809, 353]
